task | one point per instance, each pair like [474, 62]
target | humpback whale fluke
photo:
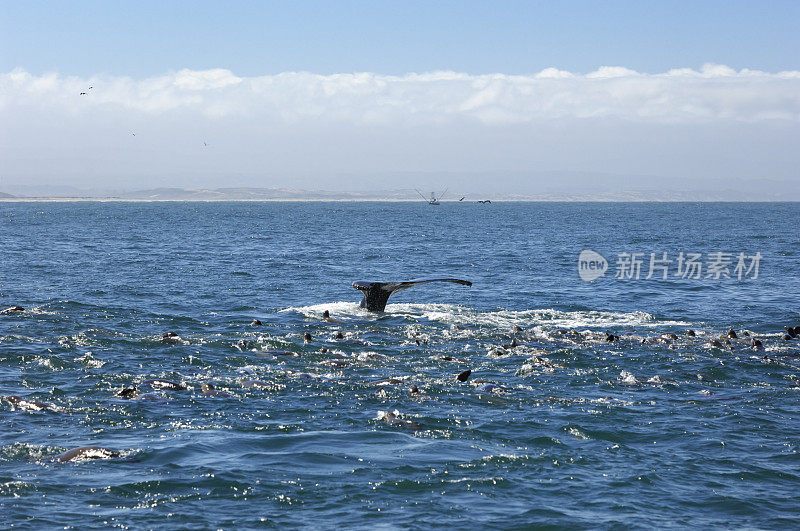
[376, 294]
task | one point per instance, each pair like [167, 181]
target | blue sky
[145, 38]
[512, 96]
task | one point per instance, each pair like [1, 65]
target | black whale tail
[376, 294]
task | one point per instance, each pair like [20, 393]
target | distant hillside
[769, 191]
[264, 194]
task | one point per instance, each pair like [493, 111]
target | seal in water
[327, 316]
[28, 405]
[171, 338]
[464, 375]
[209, 390]
[376, 294]
[85, 452]
[164, 384]
[12, 310]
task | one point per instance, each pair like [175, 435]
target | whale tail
[376, 294]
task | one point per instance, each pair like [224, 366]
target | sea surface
[565, 426]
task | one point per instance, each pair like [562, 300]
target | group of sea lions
[147, 390]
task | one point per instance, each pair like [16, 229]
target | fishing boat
[433, 199]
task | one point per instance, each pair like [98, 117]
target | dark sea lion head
[128, 393]
[464, 375]
[306, 337]
[732, 334]
[339, 335]
[255, 322]
[690, 333]
[326, 314]
[170, 337]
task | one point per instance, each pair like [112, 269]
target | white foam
[340, 308]
[501, 319]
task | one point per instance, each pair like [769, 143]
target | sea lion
[392, 418]
[491, 389]
[246, 382]
[255, 322]
[209, 390]
[306, 338]
[511, 345]
[164, 384]
[84, 453]
[791, 331]
[715, 343]
[690, 333]
[732, 334]
[128, 393]
[387, 381]
[327, 316]
[132, 393]
[28, 405]
[12, 310]
[611, 338]
[171, 338]
[464, 375]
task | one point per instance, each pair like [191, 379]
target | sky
[512, 96]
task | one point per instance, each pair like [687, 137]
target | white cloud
[715, 92]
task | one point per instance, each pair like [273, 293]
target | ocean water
[566, 429]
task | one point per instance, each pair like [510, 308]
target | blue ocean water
[566, 429]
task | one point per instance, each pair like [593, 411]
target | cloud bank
[212, 128]
[715, 92]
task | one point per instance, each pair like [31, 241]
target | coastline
[371, 200]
